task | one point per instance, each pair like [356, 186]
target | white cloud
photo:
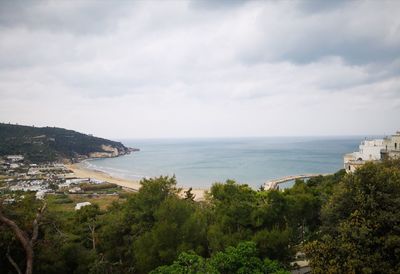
[165, 69]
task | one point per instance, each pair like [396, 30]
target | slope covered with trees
[45, 144]
[360, 229]
[346, 223]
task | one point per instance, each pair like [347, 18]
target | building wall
[390, 154]
[370, 150]
[373, 150]
[393, 142]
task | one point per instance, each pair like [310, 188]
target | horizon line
[248, 137]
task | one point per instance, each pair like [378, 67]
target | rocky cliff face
[110, 151]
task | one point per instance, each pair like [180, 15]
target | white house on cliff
[373, 150]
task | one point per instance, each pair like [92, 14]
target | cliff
[47, 144]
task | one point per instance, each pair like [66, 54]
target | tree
[232, 207]
[178, 227]
[26, 241]
[187, 263]
[87, 223]
[361, 224]
[303, 210]
[151, 228]
[274, 244]
[240, 259]
[114, 235]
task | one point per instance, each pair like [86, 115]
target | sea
[199, 163]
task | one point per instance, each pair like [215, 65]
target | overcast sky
[122, 69]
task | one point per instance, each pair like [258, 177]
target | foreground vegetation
[344, 223]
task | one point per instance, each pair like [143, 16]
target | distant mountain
[46, 144]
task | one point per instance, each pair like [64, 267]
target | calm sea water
[200, 162]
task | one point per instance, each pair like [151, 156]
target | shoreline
[84, 172]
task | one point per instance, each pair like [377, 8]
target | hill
[45, 144]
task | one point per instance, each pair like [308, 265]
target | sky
[162, 69]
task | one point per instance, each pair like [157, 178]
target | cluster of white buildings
[11, 162]
[373, 150]
[15, 158]
[20, 176]
[39, 178]
[34, 185]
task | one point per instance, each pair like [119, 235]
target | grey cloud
[320, 6]
[217, 63]
[79, 17]
[222, 4]
[354, 52]
[358, 32]
[108, 87]
[374, 74]
[311, 47]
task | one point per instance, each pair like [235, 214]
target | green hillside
[50, 143]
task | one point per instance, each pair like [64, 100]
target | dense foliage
[241, 259]
[49, 143]
[348, 223]
[360, 230]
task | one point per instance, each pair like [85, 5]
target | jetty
[274, 184]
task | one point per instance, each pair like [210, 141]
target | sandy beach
[83, 172]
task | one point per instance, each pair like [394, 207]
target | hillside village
[33, 160]
[373, 151]
[18, 176]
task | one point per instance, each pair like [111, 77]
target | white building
[373, 150]
[80, 205]
[77, 181]
[14, 165]
[391, 146]
[15, 158]
[75, 189]
[8, 201]
[40, 194]
[369, 150]
[33, 171]
[95, 181]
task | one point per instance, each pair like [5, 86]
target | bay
[199, 163]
